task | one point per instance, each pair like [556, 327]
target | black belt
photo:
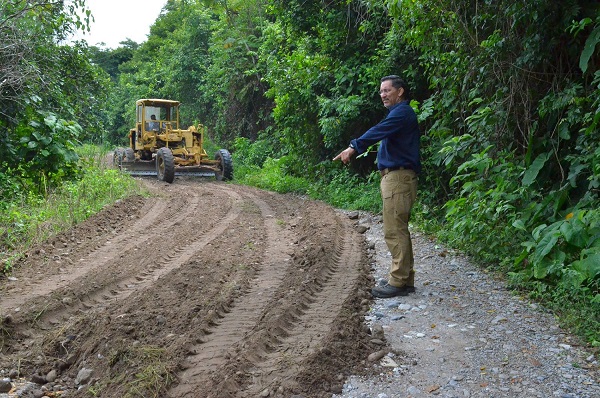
[388, 169]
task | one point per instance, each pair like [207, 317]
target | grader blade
[142, 168]
[139, 167]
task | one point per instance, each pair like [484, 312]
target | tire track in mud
[169, 262]
[231, 329]
[158, 221]
[248, 291]
[276, 339]
[102, 254]
[305, 335]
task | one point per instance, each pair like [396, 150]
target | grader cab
[158, 146]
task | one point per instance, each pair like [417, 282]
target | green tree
[110, 60]
[47, 89]
[234, 88]
[323, 68]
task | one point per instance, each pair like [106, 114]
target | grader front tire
[225, 171]
[165, 165]
[129, 155]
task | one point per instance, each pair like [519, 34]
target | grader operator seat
[153, 124]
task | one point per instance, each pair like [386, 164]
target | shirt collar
[397, 105]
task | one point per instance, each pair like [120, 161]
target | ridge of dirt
[203, 290]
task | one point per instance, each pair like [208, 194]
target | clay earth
[203, 289]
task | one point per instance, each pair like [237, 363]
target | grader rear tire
[165, 165]
[129, 154]
[225, 171]
[118, 157]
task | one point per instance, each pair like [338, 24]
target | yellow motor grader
[158, 146]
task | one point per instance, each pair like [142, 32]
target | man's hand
[345, 155]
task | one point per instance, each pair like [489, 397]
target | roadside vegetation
[30, 217]
[507, 92]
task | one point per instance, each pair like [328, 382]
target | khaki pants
[399, 192]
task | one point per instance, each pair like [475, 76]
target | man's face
[389, 94]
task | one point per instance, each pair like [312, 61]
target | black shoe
[387, 291]
[383, 282]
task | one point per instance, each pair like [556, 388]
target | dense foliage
[507, 92]
[50, 93]
[52, 100]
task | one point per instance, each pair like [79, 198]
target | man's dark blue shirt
[400, 139]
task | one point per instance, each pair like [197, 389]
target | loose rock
[84, 376]
[5, 385]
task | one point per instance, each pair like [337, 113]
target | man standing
[398, 161]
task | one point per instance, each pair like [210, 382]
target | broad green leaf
[50, 120]
[589, 266]
[519, 224]
[574, 172]
[563, 130]
[528, 245]
[545, 246]
[588, 50]
[549, 265]
[532, 172]
[537, 231]
[521, 257]
[575, 233]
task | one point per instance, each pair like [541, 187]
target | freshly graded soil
[204, 289]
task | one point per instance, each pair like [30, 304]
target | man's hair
[398, 82]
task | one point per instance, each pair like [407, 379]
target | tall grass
[28, 219]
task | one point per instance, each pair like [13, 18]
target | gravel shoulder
[464, 334]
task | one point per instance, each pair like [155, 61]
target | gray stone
[353, 215]
[377, 355]
[84, 376]
[38, 379]
[377, 332]
[51, 376]
[361, 229]
[38, 393]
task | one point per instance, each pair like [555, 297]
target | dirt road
[202, 290]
